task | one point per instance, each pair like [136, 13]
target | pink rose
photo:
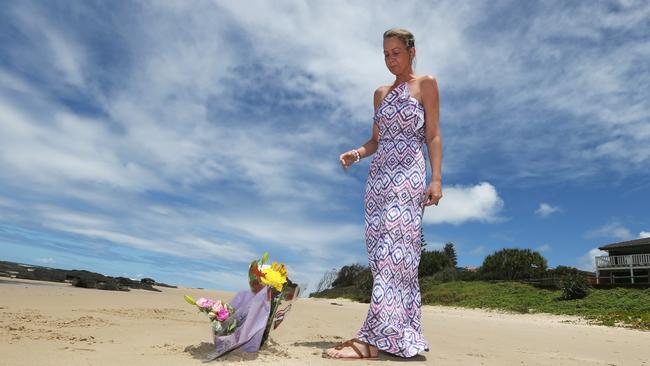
[217, 306]
[204, 303]
[223, 314]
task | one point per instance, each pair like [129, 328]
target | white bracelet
[357, 155]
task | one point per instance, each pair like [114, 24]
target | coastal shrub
[445, 275]
[553, 277]
[574, 286]
[562, 271]
[443, 296]
[464, 275]
[513, 264]
[363, 284]
[348, 275]
[432, 262]
[522, 307]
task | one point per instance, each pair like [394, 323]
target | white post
[631, 269]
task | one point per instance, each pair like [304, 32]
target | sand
[45, 323]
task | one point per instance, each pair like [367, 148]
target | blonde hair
[403, 35]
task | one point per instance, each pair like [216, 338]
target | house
[628, 262]
[469, 268]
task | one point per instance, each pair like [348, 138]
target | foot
[352, 348]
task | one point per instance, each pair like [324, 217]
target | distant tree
[327, 280]
[348, 275]
[451, 253]
[432, 262]
[513, 264]
[423, 243]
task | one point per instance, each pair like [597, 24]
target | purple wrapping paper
[252, 313]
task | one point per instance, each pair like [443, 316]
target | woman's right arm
[370, 147]
[348, 158]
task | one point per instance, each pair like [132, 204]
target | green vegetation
[628, 306]
[347, 292]
[432, 262]
[574, 287]
[513, 264]
[623, 306]
[516, 280]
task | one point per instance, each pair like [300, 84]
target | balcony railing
[630, 260]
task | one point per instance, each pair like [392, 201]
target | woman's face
[396, 56]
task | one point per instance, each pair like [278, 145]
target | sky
[180, 140]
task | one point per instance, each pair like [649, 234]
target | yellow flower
[189, 300]
[275, 276]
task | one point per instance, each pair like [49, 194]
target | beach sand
[44, 323]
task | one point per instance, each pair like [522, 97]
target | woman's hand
[347, 158]
[433, 194]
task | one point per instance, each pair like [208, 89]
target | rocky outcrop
[79, 278]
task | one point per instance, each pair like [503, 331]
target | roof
[628, 244]
[471, 268]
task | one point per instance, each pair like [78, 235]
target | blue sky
[181, 140]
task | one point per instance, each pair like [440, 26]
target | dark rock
[148, 281]
[78, 278]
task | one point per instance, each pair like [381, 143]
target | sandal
[351, 343]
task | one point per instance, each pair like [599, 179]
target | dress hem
[365, 339]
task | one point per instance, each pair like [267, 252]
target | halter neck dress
[393, 217]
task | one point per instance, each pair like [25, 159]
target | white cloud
[347, 68]
[221, 280]
[148, 230]
[587, 262]
[157, 136]
[45, 260]
[64, 54]
[318, 239]
[479, 250]
[644, 234]
[460, 204]
[546, 209]
[611, 230]
[544, 248]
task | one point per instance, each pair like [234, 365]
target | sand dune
[57, 324]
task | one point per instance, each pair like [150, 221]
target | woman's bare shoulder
[382, 89]
[428, 86]
[380, 93]
[426, 79]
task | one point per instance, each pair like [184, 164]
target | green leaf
[232, 326]
[265, 257]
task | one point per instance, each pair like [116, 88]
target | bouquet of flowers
[221, 314]
[246, 321]
[280, 288]
[261, 274]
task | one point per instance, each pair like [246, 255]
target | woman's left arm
[433, 140]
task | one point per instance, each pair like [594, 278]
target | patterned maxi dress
[393, 215]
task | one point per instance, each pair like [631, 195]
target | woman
[406, 118]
